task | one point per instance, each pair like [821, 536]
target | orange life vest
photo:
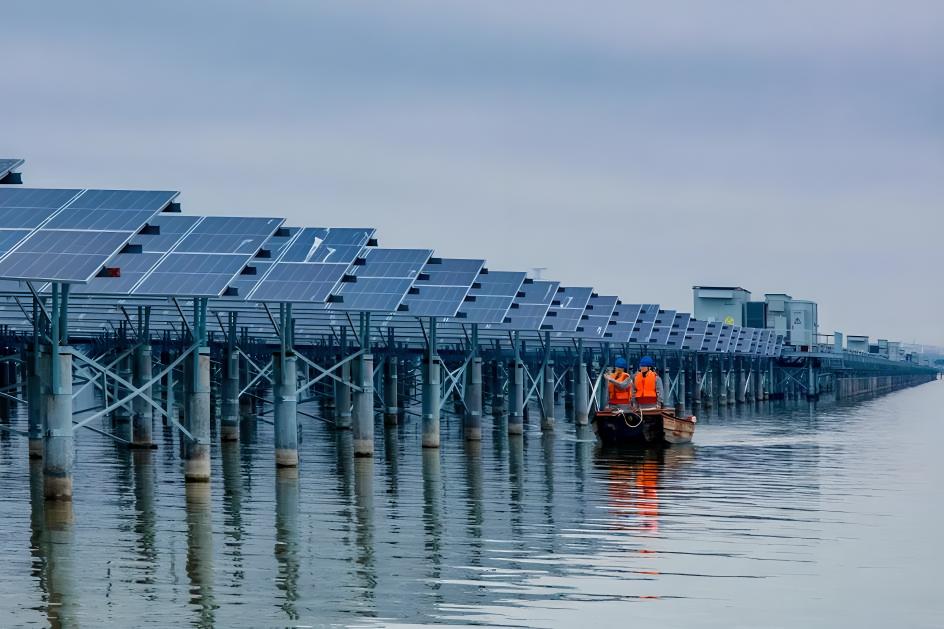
[616, 395]
[646, 387]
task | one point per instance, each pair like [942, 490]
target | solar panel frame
[492, 298]
[695, 335]
[642, 329]
[621, 326]
[442, 287]
[678, 330]
[8, 165]
[568, 307]
[596, 317]
[661, 327]
[382, 280]
[530, 307]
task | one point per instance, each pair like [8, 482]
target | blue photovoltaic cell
[382, 280]
[695, 335]
[678, 330]
[596, 317]
[493, 296]
[528, 311]
[710, 340]
[208, 256]
[643, 328]
[76, 231]
[741, 343]
[448, 284]
[771, 343]
[621, 325]
[661, 327]
[568, 307]
[307, 265]
[724, 337]
[8, 165]
[733, 334]
[755, 339]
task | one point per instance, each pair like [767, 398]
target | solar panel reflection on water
[207, 257]
[596, 317]
[492, 297]
[442, 287]
[529, 309]
[643, 328]
[624, 318]
[75, 231]
[661, 327]
[678, 330]
[382, 281]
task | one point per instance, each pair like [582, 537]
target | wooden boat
[617, 427]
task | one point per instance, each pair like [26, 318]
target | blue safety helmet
[647, 361]
[620, 362]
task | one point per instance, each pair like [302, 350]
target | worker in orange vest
[619, 385]
[647, 386]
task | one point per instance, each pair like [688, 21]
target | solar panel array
[7, 166]
[138, 244]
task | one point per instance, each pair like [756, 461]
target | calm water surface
[783, 515]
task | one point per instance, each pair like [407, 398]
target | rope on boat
[628, 425]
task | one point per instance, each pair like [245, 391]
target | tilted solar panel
[678, 330]
[491, 297]
[596, 317]
[75, 231]
[442, 287]
[207, 257]
[643, 328]
[7, 166]
[528, 310]
[624, 319]
[382, 281]
[695, 335]
[661, 327]
[567, 308]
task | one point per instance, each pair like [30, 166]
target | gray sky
[641, 149]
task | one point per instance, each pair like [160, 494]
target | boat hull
[632, 428]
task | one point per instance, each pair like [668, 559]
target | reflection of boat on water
[659, 427]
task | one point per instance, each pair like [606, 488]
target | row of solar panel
[115, 242]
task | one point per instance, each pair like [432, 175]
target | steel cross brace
[454, 382]
[119, 380]
[329, 372]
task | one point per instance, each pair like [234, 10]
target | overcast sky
[782, 146]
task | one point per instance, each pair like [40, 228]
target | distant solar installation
[770, 343]
[643, 328]
[661, 327]
[207, 257]
[382, 280]
[75, 232]
[621, 325]
[491, 297]
[567, 308]
[529, 309]
[733, 334]
[724, 338]
[679, 328]
[695, 335]
[7, 166]
[442, 287]
[306, 265]
[596, 317]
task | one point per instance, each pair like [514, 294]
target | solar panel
[75, 231]
[442, 287]
[661, 327]
[770, 343]
[307, 265]
[678, 330]
[621, 325]
[695, 335]
[528, 310]
[732, 338]
[207, 257]
[596, 317]
[7, 166]
[567, 308]
[710, 340]
[643, 328]
[382, 281]
[724, 338]
[492, 297]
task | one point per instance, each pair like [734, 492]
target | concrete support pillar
[245, 402]
[197, 463]
[170, 395]
[740, 383]
[516, 398]
[59, 443]
[759, 383]
[229, 411]
[431, 389]
[342, 398]
[473, 401]
[680, 403]
[547, 398]
[142, 427]
[364, 407]
[697, 392]
[36, 406]
[122, 414]
[286, 410]
[581, 395]
[391, 389]
[498, 390]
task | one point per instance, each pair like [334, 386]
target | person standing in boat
[619, 385]
[647, 388]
